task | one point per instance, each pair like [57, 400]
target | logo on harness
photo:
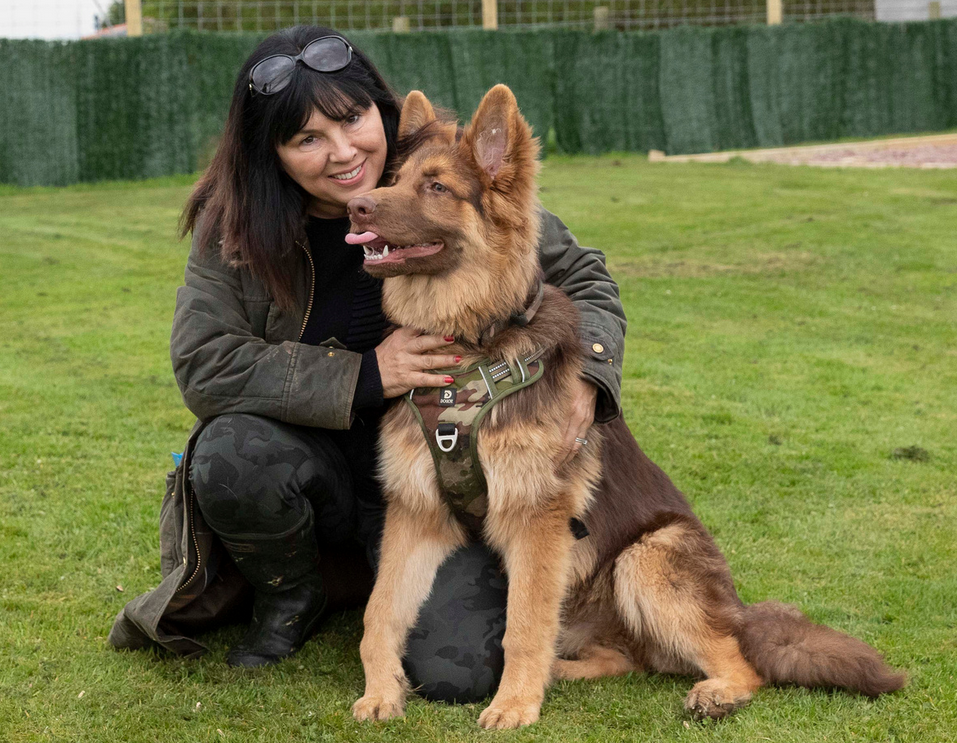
[447, 397]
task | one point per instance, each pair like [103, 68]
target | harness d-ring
[446, 436]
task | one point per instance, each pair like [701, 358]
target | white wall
[912, 10]
[48, 19]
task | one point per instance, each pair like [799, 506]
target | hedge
[154, 105]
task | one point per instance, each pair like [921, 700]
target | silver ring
[581, 441]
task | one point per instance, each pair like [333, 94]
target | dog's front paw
[716, 698]
[378, 707]
[504, 714]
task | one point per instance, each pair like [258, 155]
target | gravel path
[920, 156]
[930, 152]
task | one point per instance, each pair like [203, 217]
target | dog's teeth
[385, 251]
[367, 250]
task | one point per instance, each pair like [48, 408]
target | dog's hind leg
[673, 589]
[536, 547]
[594, 662]
[414, 544]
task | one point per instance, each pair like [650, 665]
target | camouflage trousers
[256, 477]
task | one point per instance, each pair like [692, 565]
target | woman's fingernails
[450, 338]
[449, 380]
[458, 359]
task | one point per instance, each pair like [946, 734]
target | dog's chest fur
[521, 439]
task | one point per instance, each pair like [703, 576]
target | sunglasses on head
[326, 54]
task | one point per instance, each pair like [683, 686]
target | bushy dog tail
[785, 647]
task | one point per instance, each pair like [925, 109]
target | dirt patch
[913, 453]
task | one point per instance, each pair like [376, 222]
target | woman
[277, 348]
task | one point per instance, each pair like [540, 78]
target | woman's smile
[350, 177]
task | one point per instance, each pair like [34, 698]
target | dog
[454, 236]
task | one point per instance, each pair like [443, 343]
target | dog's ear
[416, 113]
[498, 135]
[488, 134]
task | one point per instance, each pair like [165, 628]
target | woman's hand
[584, 396]
[405, 355]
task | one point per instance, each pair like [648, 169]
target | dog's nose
[361, 207]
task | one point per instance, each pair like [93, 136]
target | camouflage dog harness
[450, 418]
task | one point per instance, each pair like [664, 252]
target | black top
[347, 304]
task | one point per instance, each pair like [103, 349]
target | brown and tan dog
[648, 588]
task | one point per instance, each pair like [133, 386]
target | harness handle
[446, 436]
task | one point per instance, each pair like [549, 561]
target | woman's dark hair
[245, 203]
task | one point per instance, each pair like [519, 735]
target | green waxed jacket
[233, 351]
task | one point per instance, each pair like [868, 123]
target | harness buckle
[446, 436]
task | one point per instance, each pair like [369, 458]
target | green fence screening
[38, 117]
[136, 108]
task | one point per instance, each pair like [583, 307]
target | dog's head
[456, 199]
[462, 209]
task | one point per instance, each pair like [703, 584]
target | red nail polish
[449, 380]
[458, 359]
[450, 338]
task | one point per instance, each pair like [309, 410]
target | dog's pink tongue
[362, 239]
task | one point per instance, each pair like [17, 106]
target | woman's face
[336, 160]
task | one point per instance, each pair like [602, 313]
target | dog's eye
[438, 187]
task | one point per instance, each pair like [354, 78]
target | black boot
[289, 595]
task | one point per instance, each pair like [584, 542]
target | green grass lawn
[789, 329]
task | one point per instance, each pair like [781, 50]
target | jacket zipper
[312, 289]
[192, 532]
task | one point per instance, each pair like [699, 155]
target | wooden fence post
[490, 14]
[933, 10]
[134, 18]
[400, 24]
[602, 17]
[775, 12]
